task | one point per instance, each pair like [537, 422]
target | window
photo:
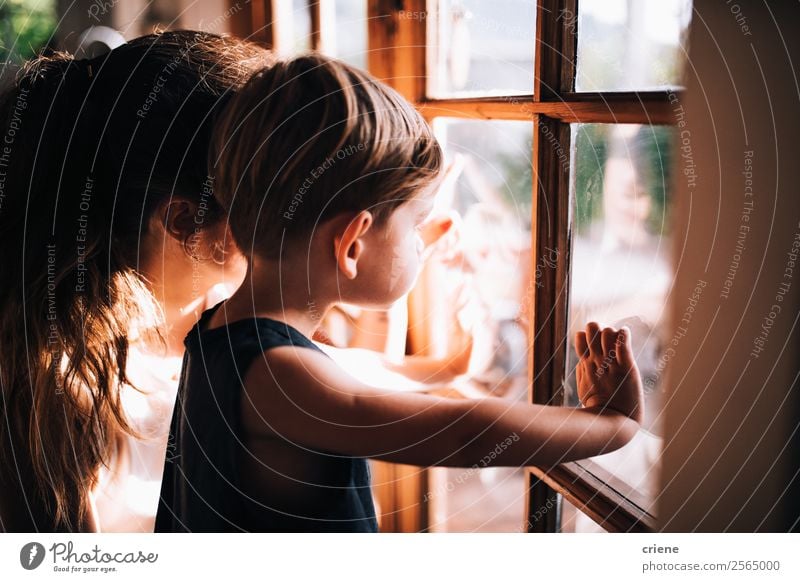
[492, 195]
[300, 31]
[630, 46]
[559, 116]
[480, 48]
[348, 35]
[621, 271]
[334, 27]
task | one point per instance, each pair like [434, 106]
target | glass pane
[631, 45]
[481, 48]
[490, 257]
[621, 272]
[573, 520]
[346, 35]
[301, 26]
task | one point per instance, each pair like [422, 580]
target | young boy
[328, 176]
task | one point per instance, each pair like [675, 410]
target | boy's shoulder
[282, 383]
[288, 362]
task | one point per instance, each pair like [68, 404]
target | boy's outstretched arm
[302, 396]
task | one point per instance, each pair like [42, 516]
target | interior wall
[75, 16]
[732, 455]
[137, 17]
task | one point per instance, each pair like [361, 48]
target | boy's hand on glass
[607, 374]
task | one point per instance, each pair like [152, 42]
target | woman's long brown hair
[89, 150]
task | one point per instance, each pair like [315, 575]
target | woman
[110, 239]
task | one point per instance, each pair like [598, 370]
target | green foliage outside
[26, 27]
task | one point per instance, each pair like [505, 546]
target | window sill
[585, 484]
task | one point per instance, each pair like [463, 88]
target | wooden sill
[595, 492]
[609, 501]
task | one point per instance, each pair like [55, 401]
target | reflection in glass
[630, 45]
[489, 257]
[478, 47]
[621, 272]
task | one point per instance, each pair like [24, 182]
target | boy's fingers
[593, 335]
[624, 349]
[581, 346]
[607, 338]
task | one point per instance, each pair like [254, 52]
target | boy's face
[393, 259]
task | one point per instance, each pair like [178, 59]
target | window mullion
[546, 222]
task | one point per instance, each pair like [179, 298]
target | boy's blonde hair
[311, 137]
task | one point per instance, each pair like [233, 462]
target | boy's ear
[349, 244]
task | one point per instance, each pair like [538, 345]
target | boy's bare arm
[304, 397]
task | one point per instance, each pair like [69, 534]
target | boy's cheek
[397, 275]
[403, 269]
[403, 272]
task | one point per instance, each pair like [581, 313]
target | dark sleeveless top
[200, 491]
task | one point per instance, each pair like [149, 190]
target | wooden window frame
[397, 55]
